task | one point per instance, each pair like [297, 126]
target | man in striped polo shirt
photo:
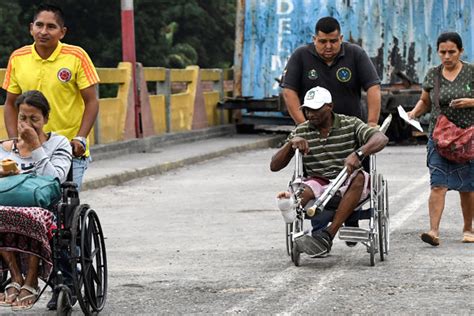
[330, 142]
[64, 74]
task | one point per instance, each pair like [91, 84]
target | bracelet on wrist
[82, 140]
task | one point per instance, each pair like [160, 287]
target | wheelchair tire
[296, 227]
[381, 239]
[373, 242]
[295, 255]
[76, 264]
[386, 218]
[380, 217]
[372, 250]
[94, 259]
[89, 261]
[289, 240]
[63, 307]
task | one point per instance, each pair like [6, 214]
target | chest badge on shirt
[64, 75]
[343, 74]
[313, 74]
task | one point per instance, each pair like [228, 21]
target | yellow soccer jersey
[60, 78]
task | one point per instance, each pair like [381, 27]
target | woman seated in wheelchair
[329, 142]
[25, 231]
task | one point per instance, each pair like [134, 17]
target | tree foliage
[168, 33]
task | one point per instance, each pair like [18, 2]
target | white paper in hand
[404, 115]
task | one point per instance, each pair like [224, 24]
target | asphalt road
[208, 239]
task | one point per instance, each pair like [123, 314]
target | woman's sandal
[468, 237]
[427, 238]
[11, 296]
[34, 294]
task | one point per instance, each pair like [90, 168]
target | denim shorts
[448, 174]
[79, 166]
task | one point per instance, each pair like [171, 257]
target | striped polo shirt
[326, 155]
[60, 78]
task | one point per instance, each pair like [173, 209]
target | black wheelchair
[78, 249]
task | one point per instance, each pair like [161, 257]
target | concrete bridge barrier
[163, 110]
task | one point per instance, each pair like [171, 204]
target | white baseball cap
[316, 97]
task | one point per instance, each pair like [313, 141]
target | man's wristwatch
[82, 140]
[360, 154]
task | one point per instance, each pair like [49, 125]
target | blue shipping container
[398, 35]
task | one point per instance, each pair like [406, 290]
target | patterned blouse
[461, 87]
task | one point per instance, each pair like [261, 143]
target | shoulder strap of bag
[437, 78]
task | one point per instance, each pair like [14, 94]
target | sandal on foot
[11, 296]
[468, 237]
[34, 294]
[433, 241]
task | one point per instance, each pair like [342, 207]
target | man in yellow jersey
[64, 74]
[67, 77]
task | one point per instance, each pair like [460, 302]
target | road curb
[119, 178]
[107, 151]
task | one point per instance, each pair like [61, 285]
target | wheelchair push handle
[386, 123]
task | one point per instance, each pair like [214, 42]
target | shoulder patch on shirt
[343, 74]
[64, 75]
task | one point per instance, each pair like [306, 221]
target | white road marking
[401, 216]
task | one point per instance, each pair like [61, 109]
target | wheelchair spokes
[94, 260]
[88, 261]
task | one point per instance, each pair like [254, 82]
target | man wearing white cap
[330, 142]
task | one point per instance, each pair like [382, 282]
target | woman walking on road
[456, 101]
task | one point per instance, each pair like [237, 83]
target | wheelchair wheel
[295, 255]
[386, 218]
[297, 226]
[289, 240]
[373, 242]
[372, 249]
[64, 304]
[89, 261]
[380, 217]
[381, 239]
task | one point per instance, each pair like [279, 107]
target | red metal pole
[128, 54]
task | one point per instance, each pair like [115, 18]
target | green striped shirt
[326, 155]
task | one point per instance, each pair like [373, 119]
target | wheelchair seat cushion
[27, 231]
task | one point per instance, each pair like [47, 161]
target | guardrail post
[164, 88]
[146, 116]
[219, 86]
[199, 118]
[97, 121]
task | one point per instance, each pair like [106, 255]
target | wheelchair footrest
[354, 234]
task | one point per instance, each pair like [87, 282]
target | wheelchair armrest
[70, 192]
